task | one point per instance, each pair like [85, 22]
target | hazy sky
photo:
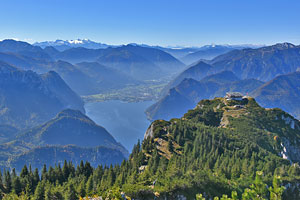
[162, 22]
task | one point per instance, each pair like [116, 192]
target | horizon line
[33, 42]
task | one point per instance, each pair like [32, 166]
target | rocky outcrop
[149, 132]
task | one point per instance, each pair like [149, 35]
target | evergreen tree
[65, 170]
[7, 182]
[16, 185]
[277, 190]
[24, 172]
[81, 189]
[36, 178]
[48, 194]
[39, 193]
[44, 173]
[70, 193]
[90, 186]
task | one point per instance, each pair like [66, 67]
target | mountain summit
[66, 44]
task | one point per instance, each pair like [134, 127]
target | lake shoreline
[125, 121]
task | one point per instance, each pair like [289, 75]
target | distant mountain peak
[284, 45]
[66, 44]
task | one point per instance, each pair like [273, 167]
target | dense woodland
[184, 156]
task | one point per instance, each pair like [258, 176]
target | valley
[98, 120]
[149, 100]
[146, 91]
[126, 121]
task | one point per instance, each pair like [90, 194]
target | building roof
[234, 94]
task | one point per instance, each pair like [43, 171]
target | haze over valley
[165, 100]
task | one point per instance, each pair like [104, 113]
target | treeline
[184, 157]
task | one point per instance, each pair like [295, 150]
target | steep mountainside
[28, 99]
[197, 72]
[51, 155]
[23, 48]
[105, 77]
[282, 92]
[206, 53]
[70, 135]
[69, 127]
[84, 78]
[79, 81]
[263, 64]
[130, 64]
[137, 61]
[79, 54]
[141, 62]
[178, 53]
[213, 149]
[165, 61]
[172, 105]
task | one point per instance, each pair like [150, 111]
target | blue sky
[155, 22]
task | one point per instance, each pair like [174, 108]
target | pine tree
[36, 178]
[13, 174]
[65, 170]
[277, 190]
[81, 190]
[24, 172]
[88, 169]
[90, 186]
[16, 185]
[48, 194]
[7, 182]
[44, 173]
[39, 193]
[70, 193]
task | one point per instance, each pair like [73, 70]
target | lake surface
[126, 122]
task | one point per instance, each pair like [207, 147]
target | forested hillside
[213, 150]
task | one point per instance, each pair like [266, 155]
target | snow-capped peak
[64, 44]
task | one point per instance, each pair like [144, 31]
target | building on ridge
[234, 96]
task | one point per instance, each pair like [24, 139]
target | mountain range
[128, 63]
[31, 131]
[62, 45]
[282, 92]
[187, 55]
[189, 92]
[138, 62]
[69, 135]
[277, 65]
[263, 63]
[28, 99]
[206, 53]
[209, 52]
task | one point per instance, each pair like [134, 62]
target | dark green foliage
[71, 193]
[185, 156]
[39, 192]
